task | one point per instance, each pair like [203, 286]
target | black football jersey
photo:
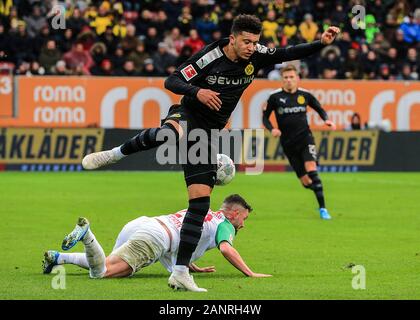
[211, 69]
[290, 110]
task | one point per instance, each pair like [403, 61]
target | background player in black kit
[289, 105]
[212, 82]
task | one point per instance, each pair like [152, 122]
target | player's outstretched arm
[300, 51]
[233, 256]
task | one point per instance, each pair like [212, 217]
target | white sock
[181, 269]
[95, 255]
[77, 258]
[117, 153]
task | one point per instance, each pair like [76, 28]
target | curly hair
[246, 23]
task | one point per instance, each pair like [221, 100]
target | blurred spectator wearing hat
[164, 61]
[308, 28]
[149, 69]
[104, 69]
[60, 69]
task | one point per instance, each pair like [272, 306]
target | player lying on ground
[289, 105]
[146, 240]
[212, 82]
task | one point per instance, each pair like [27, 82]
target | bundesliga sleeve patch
[189, 72]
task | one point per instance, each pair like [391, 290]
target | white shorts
[141, 242]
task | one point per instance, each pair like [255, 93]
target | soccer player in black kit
[289, 105]
[212, 82]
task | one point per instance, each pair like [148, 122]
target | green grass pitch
[376, 224]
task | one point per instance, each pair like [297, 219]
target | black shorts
[201, 169]
[300, 152]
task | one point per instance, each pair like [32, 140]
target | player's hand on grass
[260, 275]
[331, 124]
[195, 268]
[275, 133]
[206, 269]
[329, 35]
[210, 99]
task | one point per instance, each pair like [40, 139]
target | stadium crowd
[151, 38]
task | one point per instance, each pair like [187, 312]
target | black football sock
[316, 186]
[147, 139]
[191, 229]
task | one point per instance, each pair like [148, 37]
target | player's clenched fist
[210, 99]
[329, 35]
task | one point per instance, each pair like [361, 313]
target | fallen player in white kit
[146, 240]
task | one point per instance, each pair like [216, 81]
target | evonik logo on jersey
[228, 80]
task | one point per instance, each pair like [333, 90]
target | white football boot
[183, 281]
[99, 159]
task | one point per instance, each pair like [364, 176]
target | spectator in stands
[118, 58]
[130, 42]
[119, 30]
[330, 63]
[149, 69]
[185, 21]
[253, 7]
[392, 61]
[152, 40]
[109, 39]
[60, 69]
[290, 29]
[78, 57]
[380, 45]
[269, 27]
[174, 41]
[370, 66]
[104, 69]
[102, 20]
[371, 28]
[352, 66]
[35, 22]
[98, 52]
[76, 22]
[20, 44]
[138, 56]
[173, 9]
[205, 27]
[413, 59]
[399, 43]
[35, 69]
[128, 70]
[308, 28]
[194, 41]
[355, 122]
[49, 56]
[225, 23]
[411, 29]
[164, 61]
[384, 73]
[406, 73]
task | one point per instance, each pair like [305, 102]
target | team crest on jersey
[189, 72]
[301, 99]
[249, 69]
